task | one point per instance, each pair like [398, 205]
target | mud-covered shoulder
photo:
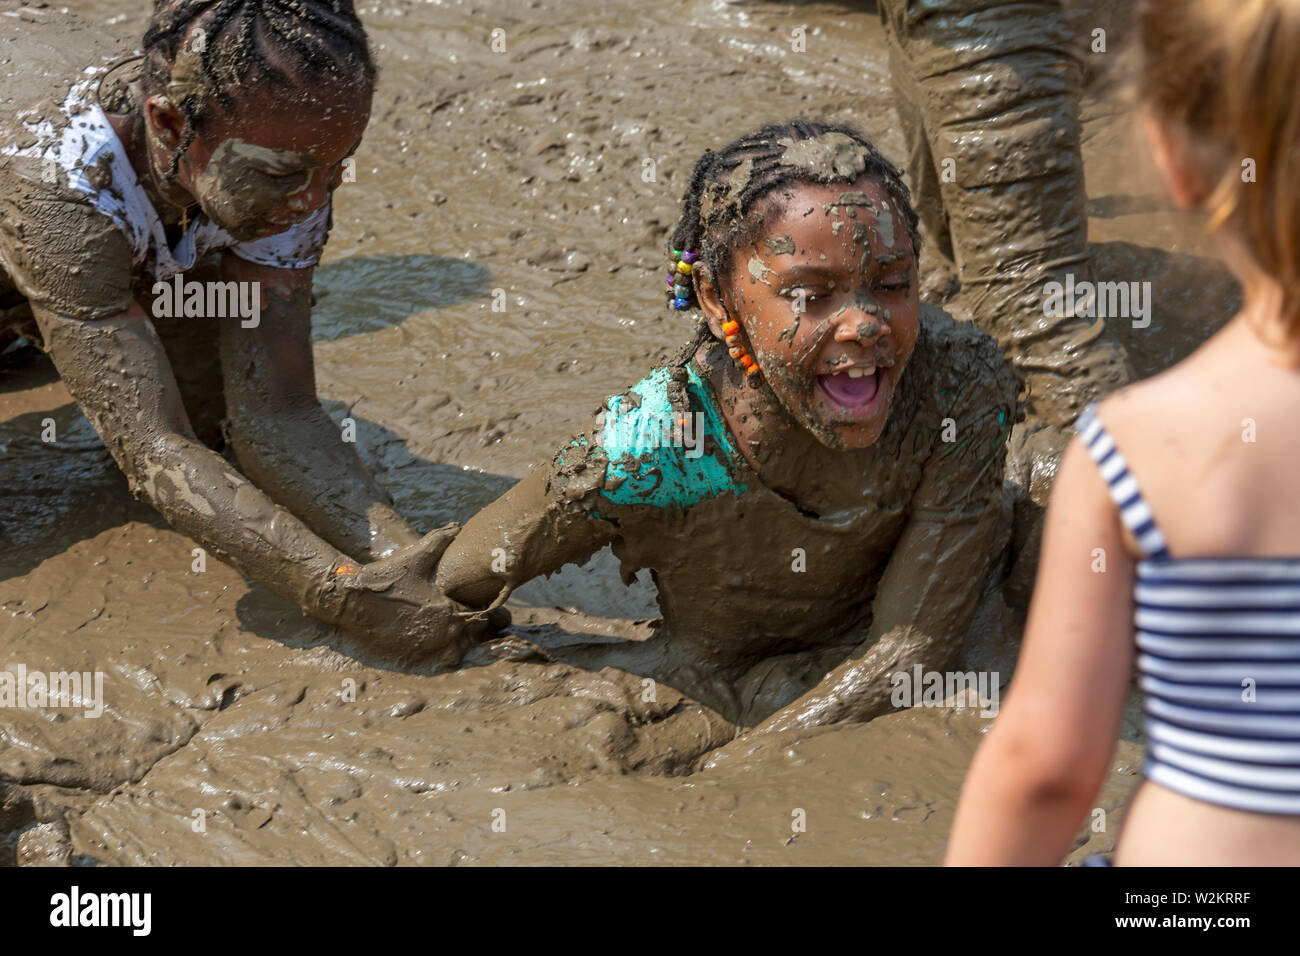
[661, 444]
[45, 57]
[969, 393]
[62, 253]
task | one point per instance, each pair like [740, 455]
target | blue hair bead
[681, 305]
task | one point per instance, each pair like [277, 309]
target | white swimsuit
[89, 140]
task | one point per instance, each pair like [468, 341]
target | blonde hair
[1227, 74]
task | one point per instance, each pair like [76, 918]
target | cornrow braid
[313, 40]
[726, 186]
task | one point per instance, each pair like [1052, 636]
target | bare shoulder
[1210, 443]
[1156, 417]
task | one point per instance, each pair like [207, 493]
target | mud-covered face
[257, 171]
[828, 301]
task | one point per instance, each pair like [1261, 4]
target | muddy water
[551, 171]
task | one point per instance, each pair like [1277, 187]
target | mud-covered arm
[284, 439]
[118, 373]
[75, 266]
[927, 595]
[535, 528]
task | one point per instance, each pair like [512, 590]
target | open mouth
[856, 389]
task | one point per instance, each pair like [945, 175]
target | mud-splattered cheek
[796, 387]
[244, 198]
[238, 195]
[887, 351]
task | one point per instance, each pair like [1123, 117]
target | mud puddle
[233, 733]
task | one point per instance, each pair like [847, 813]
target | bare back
[1214, 446]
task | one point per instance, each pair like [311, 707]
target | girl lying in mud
[815, 481]
[212, 157]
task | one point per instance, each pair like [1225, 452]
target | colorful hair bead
[679, 287]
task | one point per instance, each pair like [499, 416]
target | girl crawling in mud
[213, 157]
[816, 482]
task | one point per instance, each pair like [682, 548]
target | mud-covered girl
[213, 156]
[836, 489]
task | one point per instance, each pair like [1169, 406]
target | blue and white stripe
[1218, 644]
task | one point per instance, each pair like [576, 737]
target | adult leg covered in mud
[988, 93]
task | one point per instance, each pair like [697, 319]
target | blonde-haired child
[1186, 484]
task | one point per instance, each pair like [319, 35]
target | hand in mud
[680, 740]
[857, 690]
[761, 737]
[393, 608]
[736, 749]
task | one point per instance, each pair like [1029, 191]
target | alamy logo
[1105, 300]
[33, 690]
[74, 908]
[680, 431]
[923, 688]
[208, 300]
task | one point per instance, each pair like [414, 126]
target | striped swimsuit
[1218, 643]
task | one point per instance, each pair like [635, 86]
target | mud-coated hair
[717, 229]
[290, 43]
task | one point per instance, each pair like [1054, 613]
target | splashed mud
[233, 732]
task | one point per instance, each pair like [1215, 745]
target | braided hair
[719, 208]
[312, 40]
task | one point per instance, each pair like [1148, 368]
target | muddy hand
[856, 691]
[394, 609]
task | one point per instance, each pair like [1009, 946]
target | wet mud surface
[234, 733]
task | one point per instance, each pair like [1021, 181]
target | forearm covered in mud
[118, 373]
[924, 605]
[527, 532]
[284, 440]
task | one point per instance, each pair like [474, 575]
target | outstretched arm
[117, 371]
[529, 531]
[924, 605]
[1040, 767]
[284, 439]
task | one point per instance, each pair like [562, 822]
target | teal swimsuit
[660, 457]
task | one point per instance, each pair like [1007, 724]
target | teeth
[858, 371]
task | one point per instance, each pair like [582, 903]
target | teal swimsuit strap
[656, 456]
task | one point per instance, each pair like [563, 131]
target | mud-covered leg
[999, 90]
[921, 173]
